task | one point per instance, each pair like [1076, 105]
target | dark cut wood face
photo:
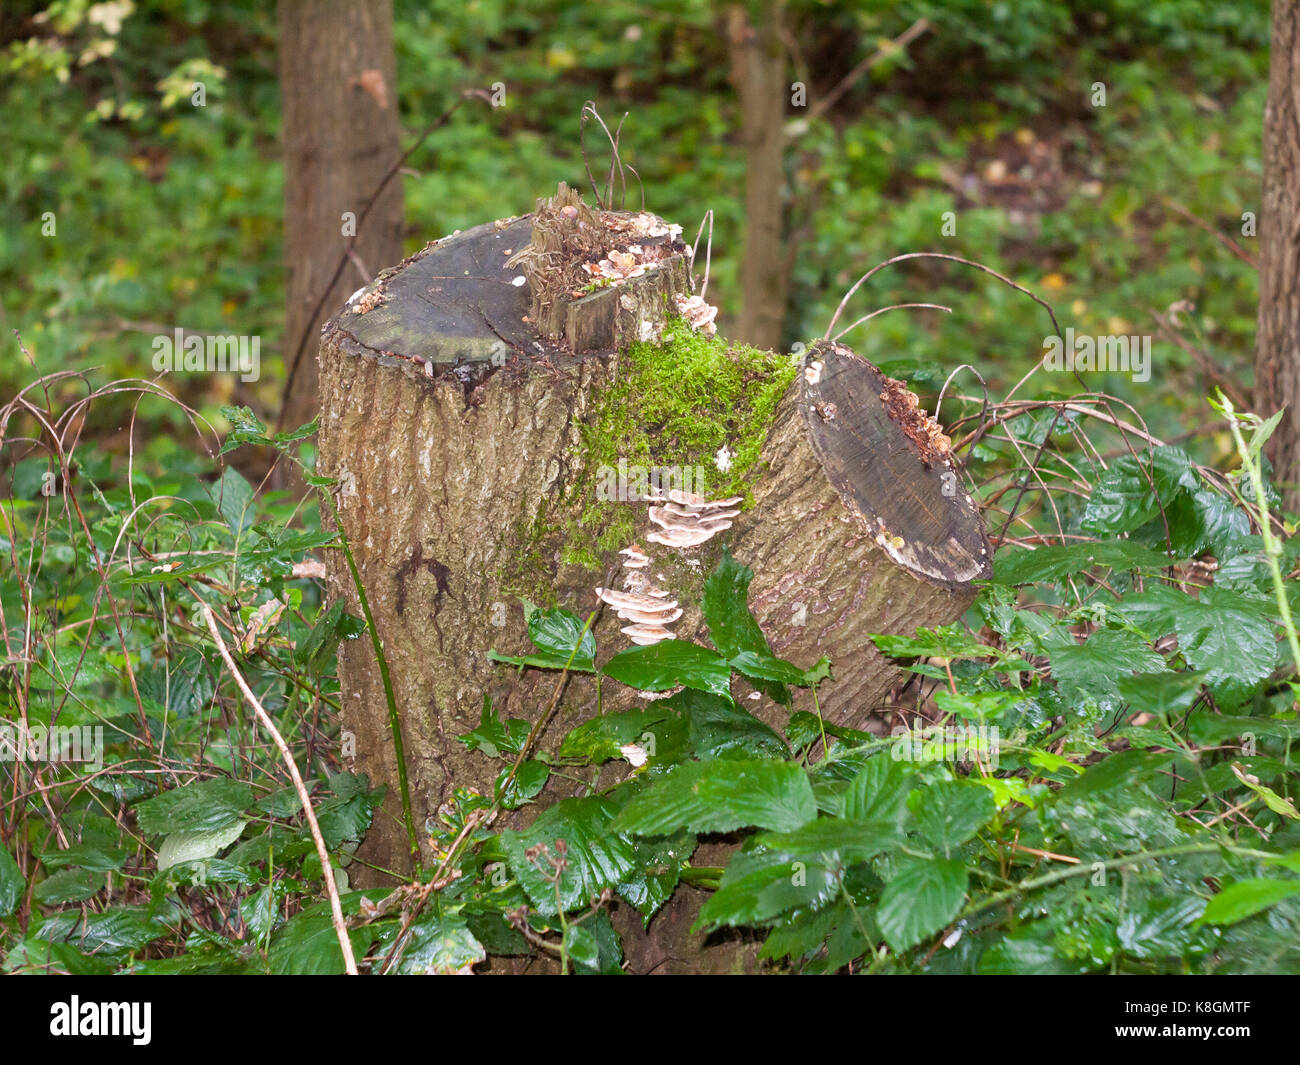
[888, 474]
[456, 304]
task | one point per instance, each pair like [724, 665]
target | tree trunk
[341, 136]
[758, 73]
[452, 427]
[1277, 342]
[448, 424]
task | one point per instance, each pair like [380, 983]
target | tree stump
[860, 525]
[454, 403]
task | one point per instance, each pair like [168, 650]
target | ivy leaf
[12, 883]
[758, 665]
[439, 946]
[717, 728]
[732, 627]
[528, 782]
[347, 814]
[1246, 898]
[725, 604]
[721, 796]
[603, 738]
[207, 805]
[951, 812]
[494, 738]
[559, 634]
[596, 857]
[921, 899]
[669, 663]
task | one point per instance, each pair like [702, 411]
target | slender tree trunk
[1277, 342]
[758, 73]
[341, 136]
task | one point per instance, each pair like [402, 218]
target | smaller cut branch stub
[892, 466]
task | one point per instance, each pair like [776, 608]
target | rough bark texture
[758, 74]
[1277, 343]
[448, 423]
[341, 136]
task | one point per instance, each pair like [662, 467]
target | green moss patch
[676, 404]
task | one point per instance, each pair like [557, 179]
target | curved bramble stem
[882, 310]
[950, 258]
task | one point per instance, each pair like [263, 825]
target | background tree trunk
[758, 73]
[1277, 342]
[338, 76]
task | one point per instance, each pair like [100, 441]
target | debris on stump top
[567, 280]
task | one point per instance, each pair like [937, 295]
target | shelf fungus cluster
[687, 520]
[681, 520]
[646, 608]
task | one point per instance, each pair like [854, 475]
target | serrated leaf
[721, 796]
[761, 883]
[920, 900]
[732, 627]
[878, 793]
[1058, 561]
[209, 804]
[596, 856]
[656, 868]
[950, 812]
[1245, 898]
[307, 945]
[195, 846]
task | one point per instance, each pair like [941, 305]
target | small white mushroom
[644, 634]
[651, 617]
[680, 537]
[634, 601]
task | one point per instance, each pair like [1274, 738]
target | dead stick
[336, 908]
